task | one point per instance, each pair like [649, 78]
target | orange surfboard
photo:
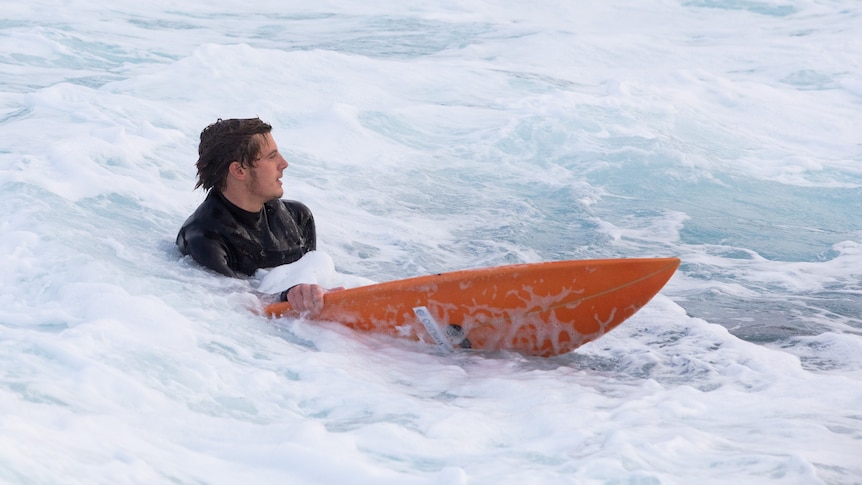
[542, 309]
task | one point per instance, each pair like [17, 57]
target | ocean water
[430, 137]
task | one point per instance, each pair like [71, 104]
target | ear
[237, 170]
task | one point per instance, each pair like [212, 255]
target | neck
[242, 199]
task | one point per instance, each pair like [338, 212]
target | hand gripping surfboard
[542, 309]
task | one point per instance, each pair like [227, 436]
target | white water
[429, 137]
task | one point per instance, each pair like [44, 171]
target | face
[264, 182]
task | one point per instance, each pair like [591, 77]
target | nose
[283, 164]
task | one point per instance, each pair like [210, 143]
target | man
[243, 224]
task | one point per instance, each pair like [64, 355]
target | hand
[306, 298]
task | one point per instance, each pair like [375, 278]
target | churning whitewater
[429, 137]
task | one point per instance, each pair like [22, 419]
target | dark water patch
[779, 222]
[93, 82]
[810, 80]
[764, 320]
[375, 36]
[14, 115]
[162, 24]
[760, 8]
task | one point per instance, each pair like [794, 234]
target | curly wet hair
[224, 142]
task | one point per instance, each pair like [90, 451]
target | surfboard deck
[541, 309]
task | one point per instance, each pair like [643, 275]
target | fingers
[306, 298]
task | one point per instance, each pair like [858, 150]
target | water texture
[430, 137]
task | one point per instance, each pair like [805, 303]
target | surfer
[243, 224]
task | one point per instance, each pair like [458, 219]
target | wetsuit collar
[251, 219]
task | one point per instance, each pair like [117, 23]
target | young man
[243, 224]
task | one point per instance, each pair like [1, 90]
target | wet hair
[224, 142]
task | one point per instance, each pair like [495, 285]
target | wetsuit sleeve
[209, 252]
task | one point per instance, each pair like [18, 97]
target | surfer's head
[224, 142]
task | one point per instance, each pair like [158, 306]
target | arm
[304, 297]
[208, 252]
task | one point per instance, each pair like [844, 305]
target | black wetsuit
[235, 242]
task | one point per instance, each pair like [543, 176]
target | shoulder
[296, 209]
[295, 206]
[206, 215]
[203, 236]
